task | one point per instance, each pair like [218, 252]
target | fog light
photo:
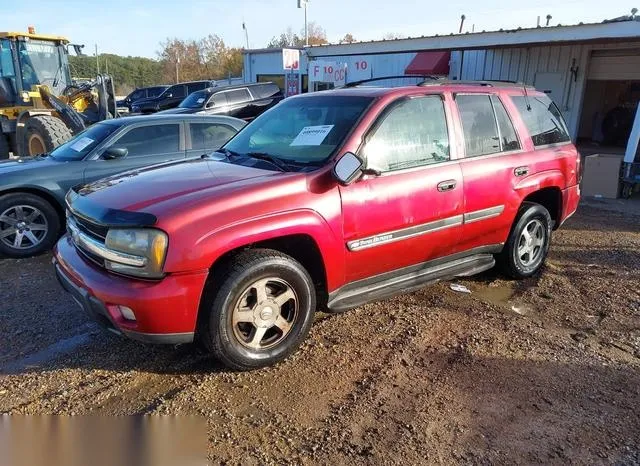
[127, 313]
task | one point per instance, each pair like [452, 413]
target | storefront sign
[292, 84]
[291, 59]
[359, 69]
[328, 72]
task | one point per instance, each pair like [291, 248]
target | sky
[136, 27]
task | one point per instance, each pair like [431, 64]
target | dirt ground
[541, 371]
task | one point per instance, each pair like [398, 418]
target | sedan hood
[171, 185]
[24, 164]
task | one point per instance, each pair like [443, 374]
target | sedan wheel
[29, 225]
[23, 227]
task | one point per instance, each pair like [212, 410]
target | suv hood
[172, 183]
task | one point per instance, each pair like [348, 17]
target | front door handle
[446, 185]
[521, 171]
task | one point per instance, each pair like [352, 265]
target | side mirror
[115, 153]
[169, 95]
[348, 168]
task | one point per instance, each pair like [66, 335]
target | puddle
[51, 352]
[501, 296]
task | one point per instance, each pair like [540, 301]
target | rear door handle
[446, 185]
[521, 171]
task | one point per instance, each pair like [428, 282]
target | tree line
[188, 60]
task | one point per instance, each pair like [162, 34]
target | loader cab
[28, 60]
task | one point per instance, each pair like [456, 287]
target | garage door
[615, 65]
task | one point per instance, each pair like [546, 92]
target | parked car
[326, 202]
[245, 101]
[140, 93]
[32, 189]
[170, 98]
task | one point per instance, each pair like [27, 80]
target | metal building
[588, 69]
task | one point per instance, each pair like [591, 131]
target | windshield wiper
[270, 158]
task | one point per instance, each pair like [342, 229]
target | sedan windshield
[78, 147]
[305, 130]
[194, 100]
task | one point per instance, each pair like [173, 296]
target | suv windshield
[302, 130]
[78, 147]
[194, 100]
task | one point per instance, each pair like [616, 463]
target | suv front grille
[94, 230]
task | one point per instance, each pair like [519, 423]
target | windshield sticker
[312, 135]
[200, 100]
[81, 143]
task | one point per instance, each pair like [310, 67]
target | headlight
[148, 245]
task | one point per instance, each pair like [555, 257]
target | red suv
[325, 202]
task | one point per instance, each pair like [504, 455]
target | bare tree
[347, 39]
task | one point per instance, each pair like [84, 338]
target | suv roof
[453, 86]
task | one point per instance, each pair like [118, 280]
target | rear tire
[29, 225]
[42, 134]
[261, 311]
[528, 243]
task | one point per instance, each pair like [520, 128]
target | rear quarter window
[542, 119]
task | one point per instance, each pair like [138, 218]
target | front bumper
[166, 311]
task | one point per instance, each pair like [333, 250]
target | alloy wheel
[23, 227]
[531, 242]
[265, 313]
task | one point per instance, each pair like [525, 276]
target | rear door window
[542, 119]
[238, 96]
[209, 136]
[478, 124]
[177, 91]
[508, 138]
[146, 141]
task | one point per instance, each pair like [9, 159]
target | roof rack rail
[425, 78]
[491, 83]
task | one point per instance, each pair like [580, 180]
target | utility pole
[97, 60]
[246, 34]
[177, 65]
[303, 4]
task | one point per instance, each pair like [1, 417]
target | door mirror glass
[348, 168]
[115, 153]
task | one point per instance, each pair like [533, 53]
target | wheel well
[550, 199]
[50, 198]
[301, 247]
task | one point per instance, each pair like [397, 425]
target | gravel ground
[546, 370]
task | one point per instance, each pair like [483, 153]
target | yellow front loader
[40, 106]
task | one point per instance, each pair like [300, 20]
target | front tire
[42, 134]
[29, 225]
[528, 243]
[261, 312]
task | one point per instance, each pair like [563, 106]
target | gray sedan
[32, 189]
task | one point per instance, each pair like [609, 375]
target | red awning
[429, 63]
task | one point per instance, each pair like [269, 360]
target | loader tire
[42, 134]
